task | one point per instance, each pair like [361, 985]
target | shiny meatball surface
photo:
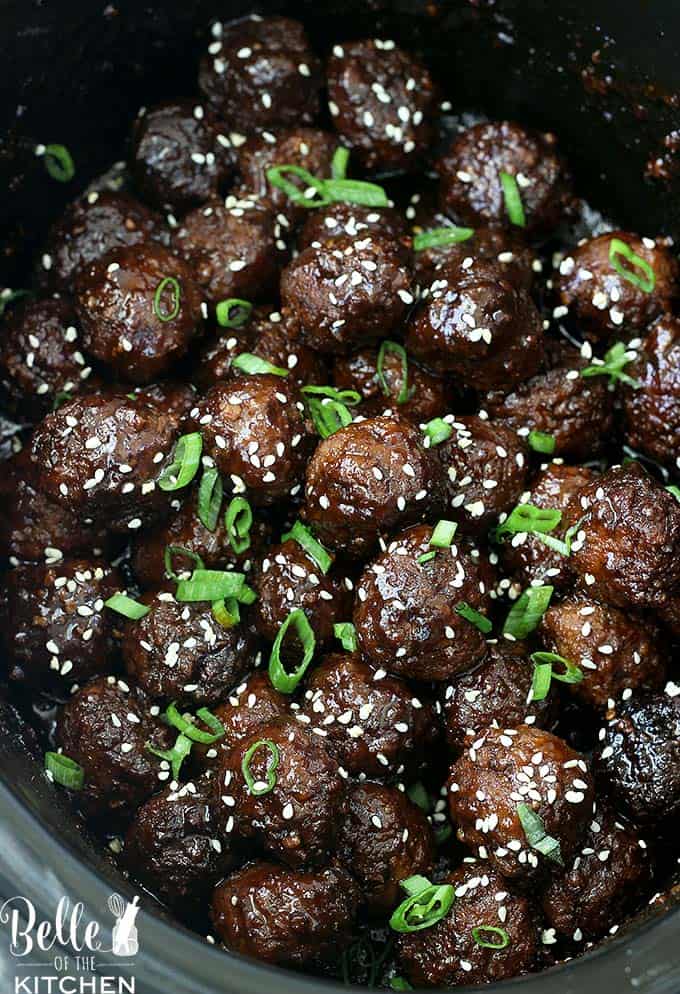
[652, 409]
[356, 221]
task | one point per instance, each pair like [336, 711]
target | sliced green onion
[349, 397]
[328, 415]
[209, 585]
[426, 557]
[426, 905]
[527, 611]
[167, 315]
[420, 797]
[399, 350]
[233, 313]
[437, 431]
[254, 365]
[675, 491]
[188, 727]
[355, 191]
[258, 787]
[534, 830]
[246, 595]
[180, 550]
[400, 984]
[443, 533]
[61, 397]
[127, 606]
[474, 617]
[615, 360]
[174, 756]
[542, 660]
[59, 163]
[302, 535]
[479, 931]
[645, 282]
[347, 634]
[277, 177]
[281, 679]
[64, 770]
[339, 163]
[210, 494]
[540, 441]
[238, 521]
[513, 200]
[540, 684]
[226, 612]
[440, 237]
[7, 296]
[185, 463]
[530, 519]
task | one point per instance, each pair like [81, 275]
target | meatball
[139, 310]
[296, 819]
[253, 703]
[576, 411]
[100, 456]
[255, 431]
[470, 175]
[447, 954]
[382, 102]
[652, 411]
[486, 468]
[475, 323]
[56, 631]
[368, 479]
[607, 880]
[630, 552]
[89, 228]
[347, 291]
[105, 727]
[260, 72]
[405, 613]
[618, 652]
[172, 846]
[372, 723]
[40, 357]
[287, 579]
[384, 838]
[179, 158]
[420, 396]
[509, 767]
[355, 221]
[251, 912]
[639, 758]
[495, 694]
[599, 300]
[504, 248]
[234, 247]
[178, 651]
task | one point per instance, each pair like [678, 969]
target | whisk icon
[125, 940]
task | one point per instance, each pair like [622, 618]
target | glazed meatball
[355, 221]
[347, 291]
[251, 912]
[476, 324]
[295, 821]
[89, 228]
[253, 703]
[179, 158]
[505, 249]
[56, 631]
[368, 479]
[405, 613]
[234, 247]
[40, 357]
[557, 486]
[606, 880]
[178, 651]
[139, 310]
[652, 411]
[630, 552]
[618, 652]
[447, 954]
[639, 759]
[600, 301]
[576, 411]
[486, 467]
[384, 838]
[495, 694]
[382, 101]
[260, 72]
[100, 457]
[507, 767]
[470, 173]
[372, 723]
[173, 848]
[420, 396]
[105, 727]
[288, 579]
[255, 431]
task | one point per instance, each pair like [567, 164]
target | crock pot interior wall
[76, 71]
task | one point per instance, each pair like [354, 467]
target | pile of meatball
[382, 767]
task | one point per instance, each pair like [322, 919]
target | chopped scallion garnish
[615, 360]
[339, 163]
[259, 787]
[233, 313]
[210, 585]
[443, 534]
[302, 535]
[174, 756]
[281, 679]
[254, 365]
[480, 621]
[437, 431]
[321, 192]
[513, 200]
[536, 836]
[440, 237]
[527, 611]
[210, 494]
[226, 612]
[59, 163]
[544, 673]
[167, 313]
[426, 904]
[188, 726]
[127, 606]
[347, 634]
[180, 550]
[185, 463]
[399, 350]
[530, 519]
[540, 441]
[64, 770]
[238, 521]
[645, 280]
[480, 931]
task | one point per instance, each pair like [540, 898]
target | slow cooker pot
[605, 75]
